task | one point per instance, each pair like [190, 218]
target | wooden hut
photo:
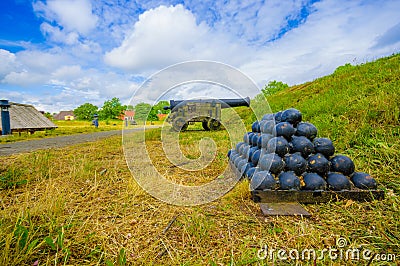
[24, 117]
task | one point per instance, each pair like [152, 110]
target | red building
[161, 117]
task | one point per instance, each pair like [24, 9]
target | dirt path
[56, 142]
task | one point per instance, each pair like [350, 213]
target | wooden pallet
[283, 202]
[315, 196]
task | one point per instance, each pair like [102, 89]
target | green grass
[72, 127]
[80, 205]
[358, 107]
[64, 128]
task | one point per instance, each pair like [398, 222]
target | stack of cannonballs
[284, 153]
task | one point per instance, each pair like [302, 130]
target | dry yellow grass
[81, 206]
[65, 128]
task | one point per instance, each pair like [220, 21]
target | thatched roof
[26, 117]
[63, 114]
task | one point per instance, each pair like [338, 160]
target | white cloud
[168, 35]
[49, 80]
[57, 35]
[7, 62]
[331, 36]
[162, 36]
[67, 72]
[24, 78]
[54, 100]
[42, 61]
[72, 15]
[69, 25]
[31, 68]
[257, 21]
[67, 88]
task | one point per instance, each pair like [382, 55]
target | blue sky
[58, 54]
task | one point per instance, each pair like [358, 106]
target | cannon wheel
[205, 125]
[180, 124]
[214, 124]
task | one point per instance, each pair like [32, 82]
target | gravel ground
[56, 142]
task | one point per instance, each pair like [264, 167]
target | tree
[111, 109]
[48, 115]
[85, 111]
[141, 111]
[274, 87]
[152, 115]
[159, 107]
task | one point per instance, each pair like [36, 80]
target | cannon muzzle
[225, 103]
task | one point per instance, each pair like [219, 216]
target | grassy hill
[358, 107]
[80, 205]
[361, 100]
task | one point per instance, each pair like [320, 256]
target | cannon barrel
[225, 103]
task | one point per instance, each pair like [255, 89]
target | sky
[59, 54]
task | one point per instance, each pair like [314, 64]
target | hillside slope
[358, 107]
[80, 205]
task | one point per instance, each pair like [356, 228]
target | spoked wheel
[180, 124]
[205, 125]
[214, 124]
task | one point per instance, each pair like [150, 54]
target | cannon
[206, 111]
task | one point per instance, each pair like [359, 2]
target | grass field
[64, 128]
[68, 128]
[80, 205]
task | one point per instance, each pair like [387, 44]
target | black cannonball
[324, 146]
[342, 164]
[313, 181]
[247, 137]
[285, 129]
[301, 144]
[292, 116]
[268, 127]
[278, 116]
[241, 163]
[245, 168]
[337, 182]
[254, 139]
[296, 163]
[268, 117]
[289, 181]
[262, 180]
[317, 163]
[278, 145]
[250, 172]
[363, 180]
[271, 162]
[249, 152]
[239, 145]
[307, 130]
[255, 127]
[263, 140]
[255, 157]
